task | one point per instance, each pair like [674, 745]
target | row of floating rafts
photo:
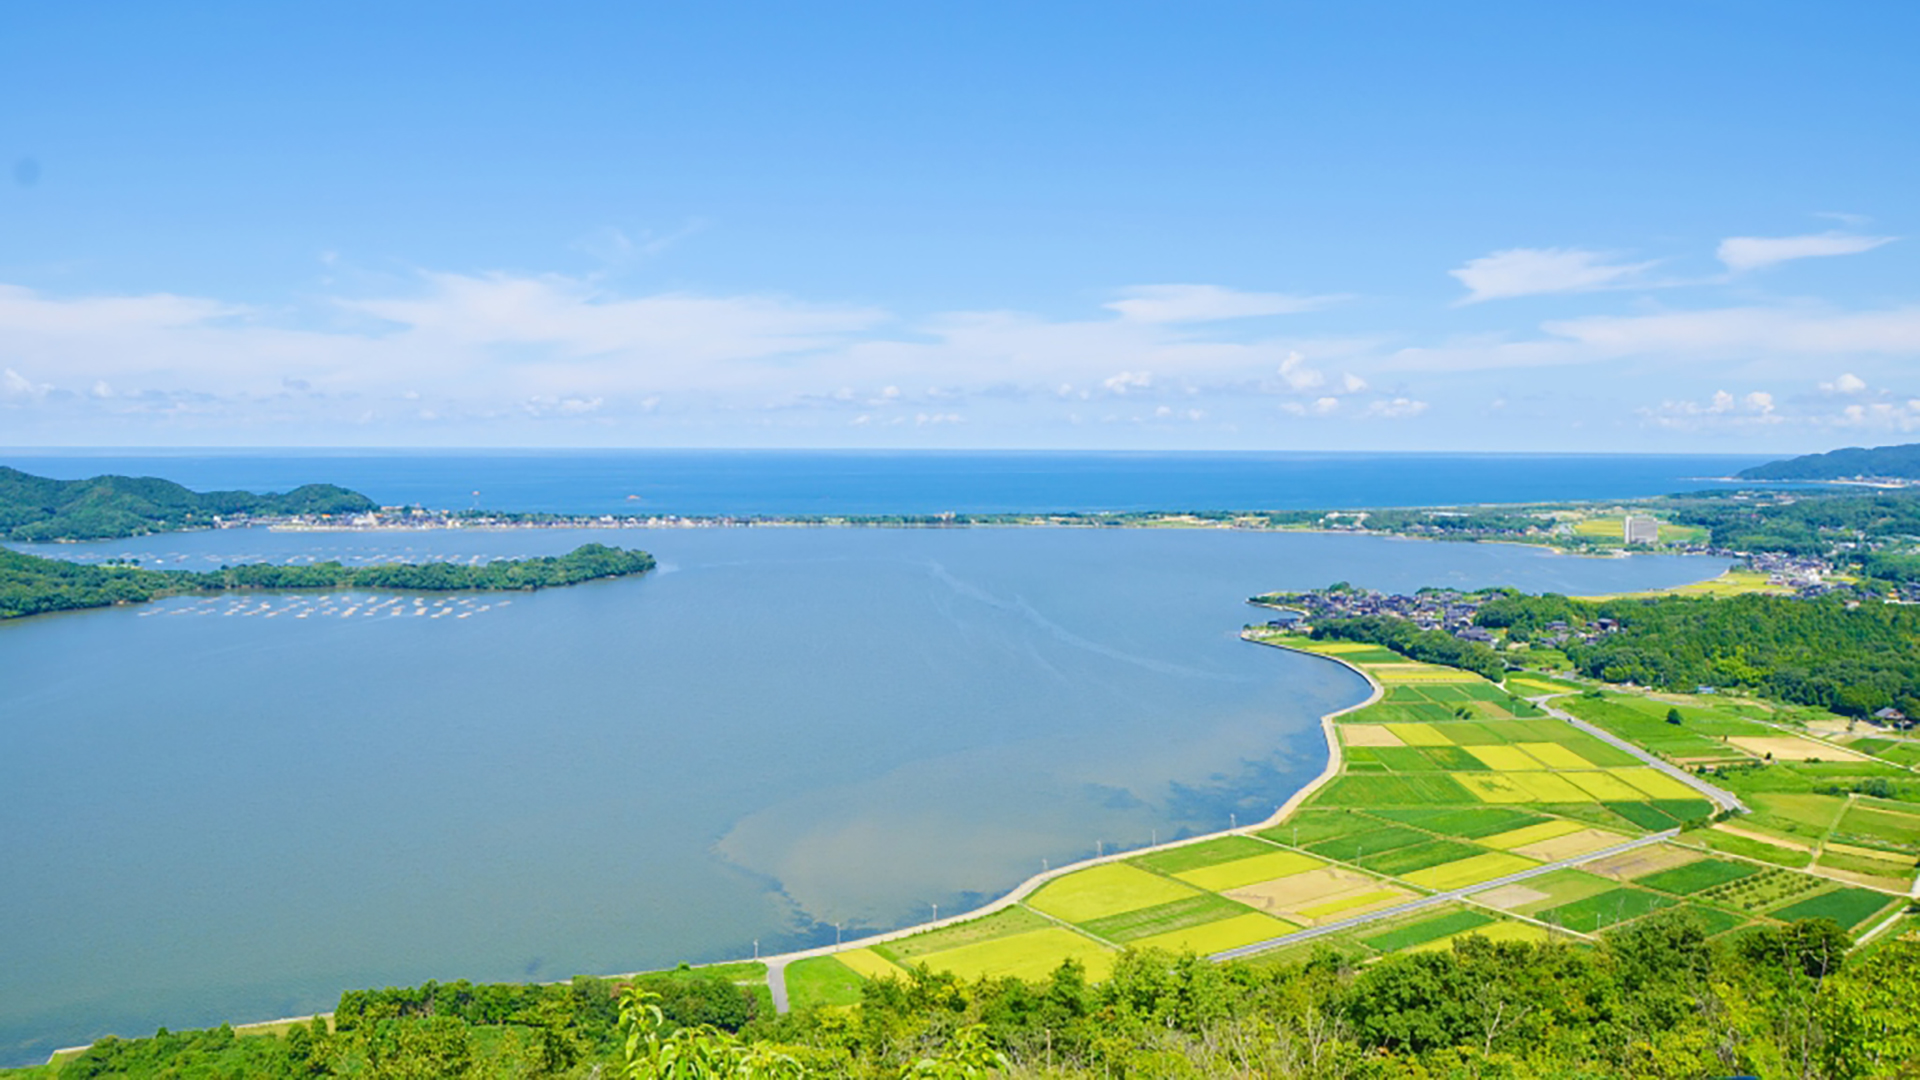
[331, 606]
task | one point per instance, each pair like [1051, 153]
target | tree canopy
[31, 585]
[36, 508]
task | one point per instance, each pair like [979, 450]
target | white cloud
[1398, 408]
[17, 386]
[1533, 271]
[1847, 383]
[1297, 375]
[1722, 410]
[1793, 332]
[1128, 380]
[1208, 303]
[1743, 253]
[1882, 415]
[1352, 384]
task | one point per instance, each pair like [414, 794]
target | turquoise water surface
[234, 809]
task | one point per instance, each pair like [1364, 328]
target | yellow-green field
[1615, 528]
[1731, 583]
[1109, 889]
[1032, 955]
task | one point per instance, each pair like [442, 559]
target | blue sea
[750, 482]
[234, 808]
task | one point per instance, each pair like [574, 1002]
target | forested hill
[108, 507]
[31, 585]
[1887, 461]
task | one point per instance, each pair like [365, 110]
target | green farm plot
[1896, 751]
[1751, 849]
[1405, 860]
[1713, 920]
[1895, 871]
[1310, 825]
[1205, 853]
[1428, 928]
[1646, 729]
[1796, 814]
[1848, 907]
[1469, 733]
[1451, 759]
[1534, 685]
[1463, 872]
[1659, 815]
[1165, 918]
[1242, 872]
[1219, 936]
[1471, 822]
[1376, 841]
[1032, 955]
[1404, 790]
[1601, 910]
[822, 981]
[1406, 759]
[1563, 887]
[1353, 652]
[1003, 923]
[1861, 820]
[1696, 876]
[1771, 886]
[1606, 755]
[1108, 889]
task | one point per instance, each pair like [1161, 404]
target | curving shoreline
[777, 963]
[1335, 761]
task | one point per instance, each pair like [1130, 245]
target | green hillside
[1888, 461]
[36, 508]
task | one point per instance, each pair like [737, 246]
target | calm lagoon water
[236, 809]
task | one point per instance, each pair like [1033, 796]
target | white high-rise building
[1641, 530]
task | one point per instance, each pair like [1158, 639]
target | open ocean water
[745, 482]
[234, 808]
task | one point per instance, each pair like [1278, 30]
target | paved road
[1722, 798]
[777, 982]
[1438, 898]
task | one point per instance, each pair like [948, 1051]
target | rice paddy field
[1515, 824]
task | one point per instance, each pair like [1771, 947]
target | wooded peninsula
[31, 585]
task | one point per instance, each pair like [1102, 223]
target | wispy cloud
[1536, 271]
[1799, 331]
[1744, 253]
[443, 348]
[1209, 303]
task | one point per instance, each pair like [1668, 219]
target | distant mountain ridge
[1901, 462]
[34, 508]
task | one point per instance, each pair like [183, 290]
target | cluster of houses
[1806, 575]
[1429, 609]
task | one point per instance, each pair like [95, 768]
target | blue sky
[1478, 226]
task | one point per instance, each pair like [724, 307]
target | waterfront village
[1453, 611]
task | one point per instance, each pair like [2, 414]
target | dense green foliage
[31, 585]
[1426, 646]
[34, 508]
[1655, 999]
[1891, 566]
[1802, 523]
[1822, 652]
[1840, 464]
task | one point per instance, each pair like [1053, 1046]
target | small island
[31, 585]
